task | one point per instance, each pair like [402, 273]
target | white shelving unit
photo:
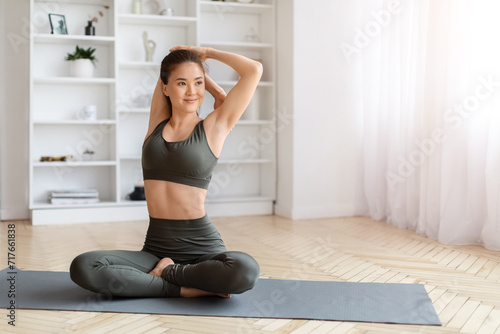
[244, 180]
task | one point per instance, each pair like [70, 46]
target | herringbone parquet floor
[463, 281]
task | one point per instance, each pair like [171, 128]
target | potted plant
[82, 62]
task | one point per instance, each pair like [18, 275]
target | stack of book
[77, 196]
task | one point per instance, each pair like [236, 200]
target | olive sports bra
[190, 161]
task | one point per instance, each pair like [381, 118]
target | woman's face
[186, 87]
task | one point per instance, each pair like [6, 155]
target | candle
[136, 7]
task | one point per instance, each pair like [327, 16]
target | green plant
[81, 53]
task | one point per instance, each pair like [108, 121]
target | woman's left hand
[201, 51]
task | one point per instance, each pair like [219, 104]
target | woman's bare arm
[215, 90]
[241, 94]
[160, 110]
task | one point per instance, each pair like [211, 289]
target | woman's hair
[175, 58]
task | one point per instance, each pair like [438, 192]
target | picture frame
[58, 24]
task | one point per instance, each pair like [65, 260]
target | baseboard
[283, 211]
[15, 214]
[253, 208]
[316, 212]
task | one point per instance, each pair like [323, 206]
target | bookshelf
[244, 180]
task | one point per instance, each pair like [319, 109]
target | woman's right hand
[201, 51]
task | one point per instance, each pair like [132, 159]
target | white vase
[82, 68]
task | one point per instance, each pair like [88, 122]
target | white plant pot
[82, 68]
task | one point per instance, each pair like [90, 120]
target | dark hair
[175, 58]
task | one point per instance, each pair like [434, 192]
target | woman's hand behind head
[201, 51]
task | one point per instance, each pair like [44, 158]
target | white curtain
[431, 118]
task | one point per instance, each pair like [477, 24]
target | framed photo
[58, 24]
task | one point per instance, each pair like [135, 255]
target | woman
[183, 254]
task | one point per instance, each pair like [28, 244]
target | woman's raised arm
[241, 94]
[215, 90]
[160, 109]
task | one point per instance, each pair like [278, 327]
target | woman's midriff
[169, 200]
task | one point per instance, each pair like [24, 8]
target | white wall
[321, 182]
[14, 110]
[2, 90]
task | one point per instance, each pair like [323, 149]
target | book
[74, 193]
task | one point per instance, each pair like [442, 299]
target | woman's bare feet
[192, 292]
[185, 292]
[162, 264]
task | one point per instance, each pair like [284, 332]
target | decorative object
[88, 155]
[149, 46]
[167, 12]
[56, 158]
[136, 6]
[82, 61]
[82, 68]
[89, 29]
[252, 36]
[58, 24]
[152, 7]
[137, 194]
[143, 100]
[99, 13]
[88, 113]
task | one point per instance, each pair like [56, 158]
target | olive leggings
[201, 262]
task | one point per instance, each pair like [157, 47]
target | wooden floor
[463, 281]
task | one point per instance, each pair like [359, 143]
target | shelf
[140, 65]
[230, 46]
[130, 157]
[177, 21]
[221, 162]
[239, 199]
[71, 80]
[123, 202]
[75, 122]
[256, 122]
[126, 202]
[134, 110]
[234, 7]
[232, 83]
[46, 205]
[65, 39]
[244, 161]
[98, 163]
[79, 2]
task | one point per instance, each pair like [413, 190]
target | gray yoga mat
[270, 298]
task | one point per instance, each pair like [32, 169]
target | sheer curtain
[431, 120]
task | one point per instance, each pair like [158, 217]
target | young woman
[183, 254]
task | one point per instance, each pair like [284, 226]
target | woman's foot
[192, 292]
[162, 264]
[185, 292]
